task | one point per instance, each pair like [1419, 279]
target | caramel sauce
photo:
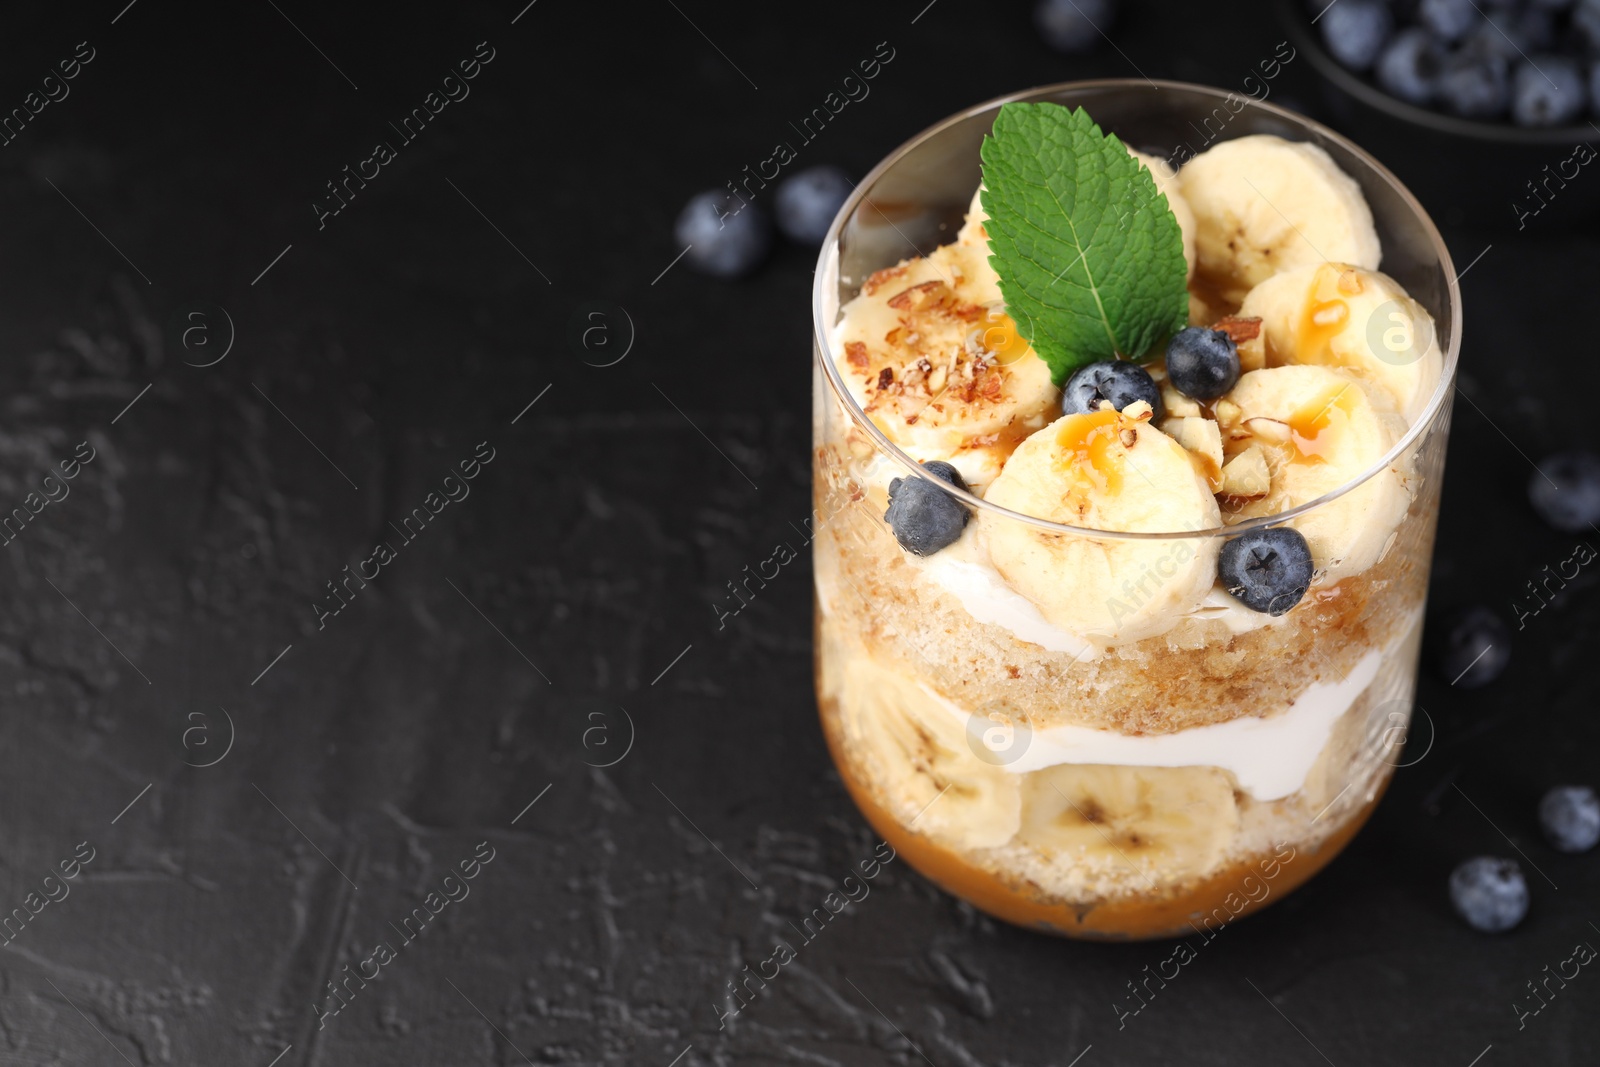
[1087, 441]
[1000, 336]
[1315, 428]
[1138, 916]
[1326, 313]
[1207, 468]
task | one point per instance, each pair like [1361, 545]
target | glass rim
[826, 276]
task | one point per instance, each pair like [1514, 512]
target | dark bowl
[1487, 175]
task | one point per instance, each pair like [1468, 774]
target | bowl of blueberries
[1488, 109]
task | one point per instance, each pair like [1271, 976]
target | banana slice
[1319, 429]
[1170, 823]
[1167, 184]
[1105, 471]
[918, 751]
[1344, 316]
[1263, 205]
[932, 358]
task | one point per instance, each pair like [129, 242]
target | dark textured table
[276, 756]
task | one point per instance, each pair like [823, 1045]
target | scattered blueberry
[924, 517]
[1570, 817]
[1409, 66]
[1266, 570]
[1489, 893]
[1073, 26]
[1448, 20]
[1565, 491]
[1586, 24]
[1467, 57]
[1116, 380]
[1355, 30]
[1473, 648]
[727, 237]
[1473, 86]
[1202, 363]
[1547, 91]
[806, 203]
[1511, 35]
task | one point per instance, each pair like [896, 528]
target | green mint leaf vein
[1089, 255]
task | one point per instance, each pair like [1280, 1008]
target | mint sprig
[1089, 255]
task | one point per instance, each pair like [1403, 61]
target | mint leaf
[1089, 255]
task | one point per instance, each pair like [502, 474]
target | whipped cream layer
[1269, 756]
[963, 570]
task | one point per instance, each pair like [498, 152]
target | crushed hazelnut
[1239, 329]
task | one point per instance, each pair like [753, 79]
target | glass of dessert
[1126, 474]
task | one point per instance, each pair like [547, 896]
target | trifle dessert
[1125, 500]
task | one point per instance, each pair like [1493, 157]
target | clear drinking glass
[1231, 763]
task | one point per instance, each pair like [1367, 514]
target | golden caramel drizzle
[1089, 444]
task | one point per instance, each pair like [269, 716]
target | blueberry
[1116, 380]
[1355, 30]
[1489, 893]
[1511, 35]
[1473, 85]
[1409, 66]
[924, 517]
[1586, 25]
[1473, 647]
[1448, 20]
[1547, 91]
[1565, 491]
[1266, 570]
[1073, 26]
[806, 203]
[727, 237]
[1570, 817]
[1202, 363]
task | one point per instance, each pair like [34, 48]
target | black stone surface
[565, 609]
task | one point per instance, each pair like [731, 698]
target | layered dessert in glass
[1123, 643]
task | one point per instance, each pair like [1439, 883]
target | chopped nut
[1129, 436]
[1177, 404]
[1350, 283]
[878, 279]
[1239, 329]
[1252, 353]
[1139, 409]
[918, 295]
[1268, 429]
[1203, 440]
[885, 378]
[1247, 475]
[1227, 412]
[936, 378]
[856, 353]
[1331, 313]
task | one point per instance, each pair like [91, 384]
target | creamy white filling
[964, 571]
[1270, 757]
